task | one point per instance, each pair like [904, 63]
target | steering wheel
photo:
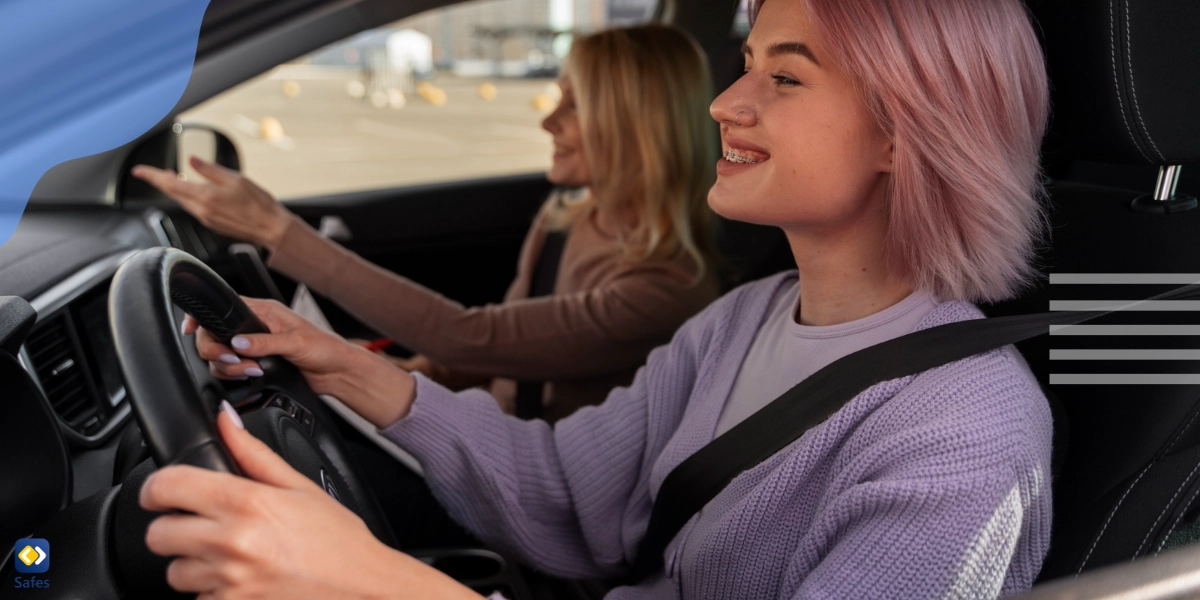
[179, 425]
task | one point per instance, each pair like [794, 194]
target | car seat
[1126, 79]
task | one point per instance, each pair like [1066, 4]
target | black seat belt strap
[700, 477]
[542, 280]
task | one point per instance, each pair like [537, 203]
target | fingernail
[253, 371]
[230, 359]
[240, 342]
[183, 327]
[228, 409]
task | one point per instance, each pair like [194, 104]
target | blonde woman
[633, 132]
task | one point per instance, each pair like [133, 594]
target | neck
[611, 221]
[843, 277]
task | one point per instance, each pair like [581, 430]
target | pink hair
[961, 88]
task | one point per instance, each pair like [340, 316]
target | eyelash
[783, 80]
[780, 80]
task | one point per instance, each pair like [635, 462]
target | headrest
[1126, 76]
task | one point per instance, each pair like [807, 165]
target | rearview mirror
[171, 149]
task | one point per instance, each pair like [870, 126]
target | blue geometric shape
[80, 78]
[36, 551]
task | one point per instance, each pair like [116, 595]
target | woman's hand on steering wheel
[363, 380]
[273, 534]
[228, 203]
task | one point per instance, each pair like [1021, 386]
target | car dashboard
[62, 260]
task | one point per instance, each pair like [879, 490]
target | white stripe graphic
[1124, 379]
[1125, 278]
[1126, 305]
[1125, 330]
[1125, 354]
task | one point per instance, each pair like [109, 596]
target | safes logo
[33, 555]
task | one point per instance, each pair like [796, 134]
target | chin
[565, 177]
[737, 206]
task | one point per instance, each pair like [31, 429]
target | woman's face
[804, 154]
[570, 165]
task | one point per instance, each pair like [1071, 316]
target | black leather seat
[1127, 92]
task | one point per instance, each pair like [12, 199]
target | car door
[460, 238]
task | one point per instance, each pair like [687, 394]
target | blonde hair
[642, 95]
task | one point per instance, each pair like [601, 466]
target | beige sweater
[590, 336]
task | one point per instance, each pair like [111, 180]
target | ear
[888, 160]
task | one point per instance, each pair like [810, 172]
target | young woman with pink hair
[896, 143]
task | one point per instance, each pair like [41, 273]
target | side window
[452, 94]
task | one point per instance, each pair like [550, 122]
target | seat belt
[703, 475]
[545, 274]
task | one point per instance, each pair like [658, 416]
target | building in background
[453, 94]
[517, 38]
[489, 38]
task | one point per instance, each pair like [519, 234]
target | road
[300, 132]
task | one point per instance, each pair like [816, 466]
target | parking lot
[301, 131]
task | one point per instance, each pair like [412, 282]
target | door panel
[460, 239]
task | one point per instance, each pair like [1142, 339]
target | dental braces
[734, 157]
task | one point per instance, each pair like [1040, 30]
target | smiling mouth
[741, 158]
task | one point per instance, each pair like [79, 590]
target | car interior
[82, 346]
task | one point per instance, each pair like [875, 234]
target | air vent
[59, 367]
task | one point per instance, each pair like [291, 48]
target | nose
[550, 123]
[734, 106]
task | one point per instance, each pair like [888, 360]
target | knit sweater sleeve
[935, 508]
[572, 500]
[896, 539]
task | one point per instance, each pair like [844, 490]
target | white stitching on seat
[1104, 528]
[1112, 36]
[1096, 541]
[1137, 110]
[1178, 519]
[1164, 510]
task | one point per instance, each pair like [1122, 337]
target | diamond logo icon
[31, 555]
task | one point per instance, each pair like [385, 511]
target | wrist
[275, 229]
[377, 390]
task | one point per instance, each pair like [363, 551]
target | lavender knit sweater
[929, 486]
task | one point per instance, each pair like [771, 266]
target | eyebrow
[797, 48]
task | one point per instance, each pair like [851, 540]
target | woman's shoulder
[951, 311]
[993, 393]
[981, 369]
[983, 416]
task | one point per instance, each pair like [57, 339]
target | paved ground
[327, 141]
